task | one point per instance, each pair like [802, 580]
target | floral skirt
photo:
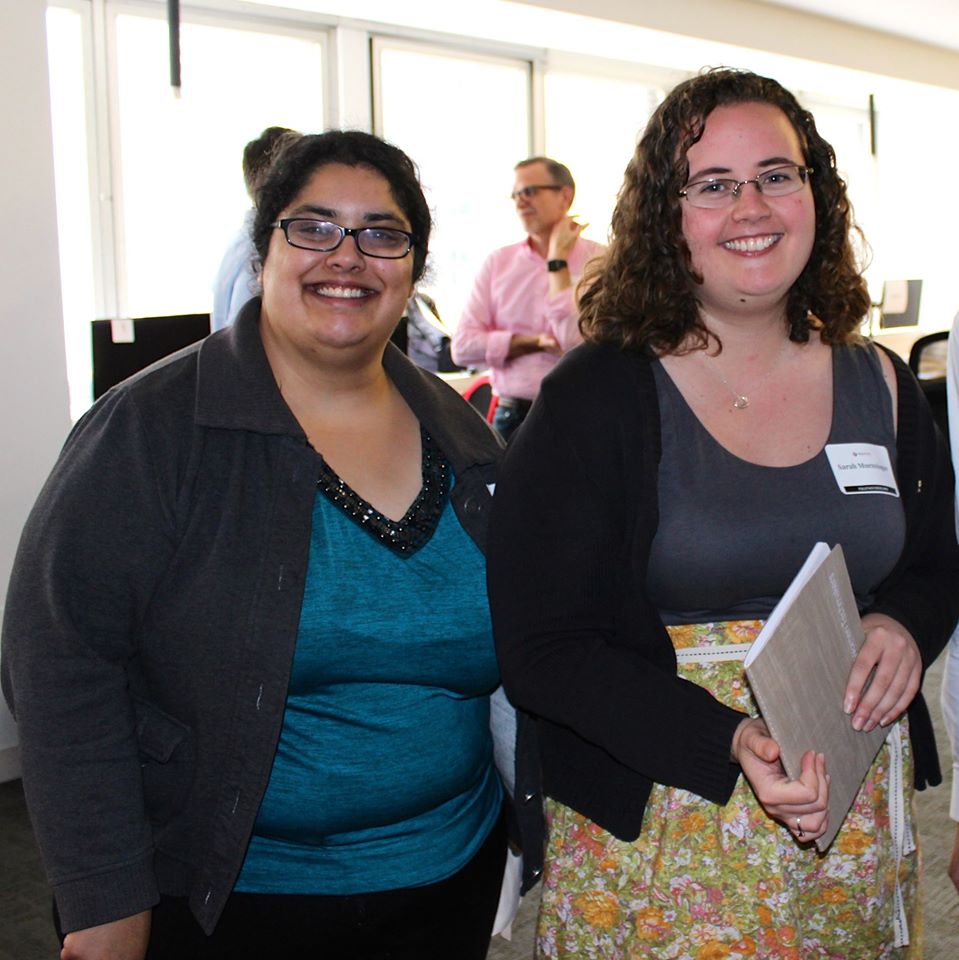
[711, 882]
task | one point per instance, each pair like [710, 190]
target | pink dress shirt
[511, 295]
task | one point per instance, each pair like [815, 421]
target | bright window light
[182, 196]
[466, 154]
[73, 184]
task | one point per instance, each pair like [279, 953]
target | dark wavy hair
[642, 295]
[260, 154]
[353, 148]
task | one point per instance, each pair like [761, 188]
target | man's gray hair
[558, 171]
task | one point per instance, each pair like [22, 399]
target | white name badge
[862, 468]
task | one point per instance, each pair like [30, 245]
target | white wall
[33, 392]
[760, 26]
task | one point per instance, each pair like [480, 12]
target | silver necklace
[741, 399]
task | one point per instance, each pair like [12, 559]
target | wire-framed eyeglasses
[721, 192]
[325, 236]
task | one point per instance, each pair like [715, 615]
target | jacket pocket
[166, 755]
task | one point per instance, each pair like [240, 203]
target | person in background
[236, 280]
[247, 639]
[670, 480]
[950, 677]
[521, 316]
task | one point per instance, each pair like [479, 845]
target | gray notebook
[798, 667]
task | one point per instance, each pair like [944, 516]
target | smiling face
[751, 252]
[342, 302]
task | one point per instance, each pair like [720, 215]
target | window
[465, 120]
[169, 178]
[67, 29]
[181, 192]
[595, 152]
[846, 128]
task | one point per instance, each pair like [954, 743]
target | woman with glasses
[724, 361]
[247, 638]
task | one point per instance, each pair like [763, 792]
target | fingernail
[857, 723]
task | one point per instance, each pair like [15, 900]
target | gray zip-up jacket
[153, 612]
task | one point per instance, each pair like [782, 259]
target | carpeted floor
[26, 932]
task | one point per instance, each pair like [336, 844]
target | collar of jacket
[236, 390]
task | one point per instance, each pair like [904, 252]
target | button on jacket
[153, 612]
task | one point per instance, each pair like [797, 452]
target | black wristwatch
[554, 265]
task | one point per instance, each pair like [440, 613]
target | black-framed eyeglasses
[325, 236]
[721, 192]
[527, 193]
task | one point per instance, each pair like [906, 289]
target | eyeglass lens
[527, 193]
[324, 236]
[717, 192]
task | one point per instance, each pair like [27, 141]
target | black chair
[927, 360]
[153, 339]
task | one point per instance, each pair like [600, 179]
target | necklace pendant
[741, 402]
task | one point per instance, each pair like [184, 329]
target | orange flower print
[834, 895]
[787, 934]
[599, 909]
[713, 950]
[684, 636]
[650, 923]
[745, 947]
[853, 842]
[692, 823]
[744, 631]
[765, 915]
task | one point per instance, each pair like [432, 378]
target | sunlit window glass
[465, 121]
[618, 110]
[847, 129]
[182, 194]
[72, 172]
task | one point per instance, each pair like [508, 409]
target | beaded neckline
[405, 536]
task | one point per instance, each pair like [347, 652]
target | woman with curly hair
[669, 482]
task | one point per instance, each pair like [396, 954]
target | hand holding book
[801, 804]
[890, 657]
[810, 667]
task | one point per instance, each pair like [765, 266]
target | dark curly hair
[304, 157]
[642, 294]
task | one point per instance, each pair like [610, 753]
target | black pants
[509, 414]
[449, 920]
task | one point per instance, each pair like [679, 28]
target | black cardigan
[583, 652]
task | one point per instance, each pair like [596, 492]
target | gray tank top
[732, 534]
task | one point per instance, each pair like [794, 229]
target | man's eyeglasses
[527, 193]
[720, 192]
[325, 236]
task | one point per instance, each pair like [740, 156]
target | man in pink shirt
[521, 316]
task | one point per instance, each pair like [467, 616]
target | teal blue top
[383, 776]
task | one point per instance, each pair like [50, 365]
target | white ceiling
[929, 21]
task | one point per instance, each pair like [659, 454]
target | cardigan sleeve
[579, 644]
[93, 546]
[921, 591]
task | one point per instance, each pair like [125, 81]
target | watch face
[554, 265]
